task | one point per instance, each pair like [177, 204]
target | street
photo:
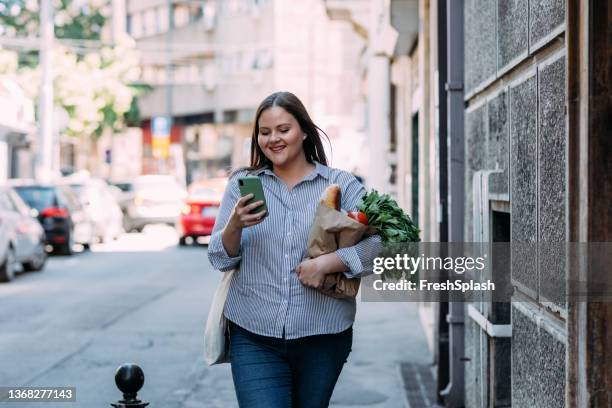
[143, 299]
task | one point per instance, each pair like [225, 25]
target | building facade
[17, 131]
[497, 134]
[515, 124]
[211, 63]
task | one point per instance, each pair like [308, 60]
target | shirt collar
[320, 170]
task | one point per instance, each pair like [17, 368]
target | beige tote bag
[216, 340]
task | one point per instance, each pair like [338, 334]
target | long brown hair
[313, 145]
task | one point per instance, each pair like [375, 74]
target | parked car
[22, 239]
[124, 194]
[200, 209]
[158, 199]
[100, 205]
[124, 186]
[84, 228]
[60, 214]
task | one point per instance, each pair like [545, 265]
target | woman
[289, 342]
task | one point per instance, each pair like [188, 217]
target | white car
[100, 205]
[157, 199]
[22, 239]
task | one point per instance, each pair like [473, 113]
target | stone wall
[515, 121]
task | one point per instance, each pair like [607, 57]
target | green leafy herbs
[394, 227]
[392, 224]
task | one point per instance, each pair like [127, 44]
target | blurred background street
[120, 121]
[144, 299]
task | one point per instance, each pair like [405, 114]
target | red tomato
[362, 218]
[358, 216]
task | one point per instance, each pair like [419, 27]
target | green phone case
[252, 184]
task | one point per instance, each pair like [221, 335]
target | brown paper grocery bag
[331, 230]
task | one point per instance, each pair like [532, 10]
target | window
[262, 60]
[128, 24]
[194, 75]
[135, 26]
[195, 12]
[500, 347]
[393, 115]
[149, 22]
[181, 15]
[210, 15]
[163, 18]
[236, 6]
[210, 76]
[242, 6]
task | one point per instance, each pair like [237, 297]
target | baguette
[331, 197]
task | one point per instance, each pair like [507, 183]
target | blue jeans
[269, 372]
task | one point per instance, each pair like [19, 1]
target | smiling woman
[289, 342]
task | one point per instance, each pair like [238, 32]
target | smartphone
[252, 185]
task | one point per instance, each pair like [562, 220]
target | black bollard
[129, 379]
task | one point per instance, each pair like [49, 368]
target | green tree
[73, 19]
[95, 88]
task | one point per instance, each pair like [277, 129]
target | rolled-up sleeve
[217, 254]
[358, 258]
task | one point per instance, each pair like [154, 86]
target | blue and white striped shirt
[265, 295]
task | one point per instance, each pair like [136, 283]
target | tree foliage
[76, 19]
[94, 88]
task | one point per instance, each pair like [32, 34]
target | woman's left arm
[354, 261]
[357, 259]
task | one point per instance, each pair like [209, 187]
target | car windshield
[125, 187]
[71, 197]
[77, 188]
[158, 184]
[204, 191]
[37, 196]
[80, 192]
[208, 188]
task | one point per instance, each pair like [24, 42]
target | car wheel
[37, 263]
[7, 269]
[183, 241]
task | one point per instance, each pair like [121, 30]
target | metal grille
[419, 385]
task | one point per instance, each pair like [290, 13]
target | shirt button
[286, 255]
[288, 233]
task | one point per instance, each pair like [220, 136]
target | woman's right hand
[241, 217]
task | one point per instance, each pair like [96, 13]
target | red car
[199, 213]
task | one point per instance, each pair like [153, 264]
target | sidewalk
[388, 338]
